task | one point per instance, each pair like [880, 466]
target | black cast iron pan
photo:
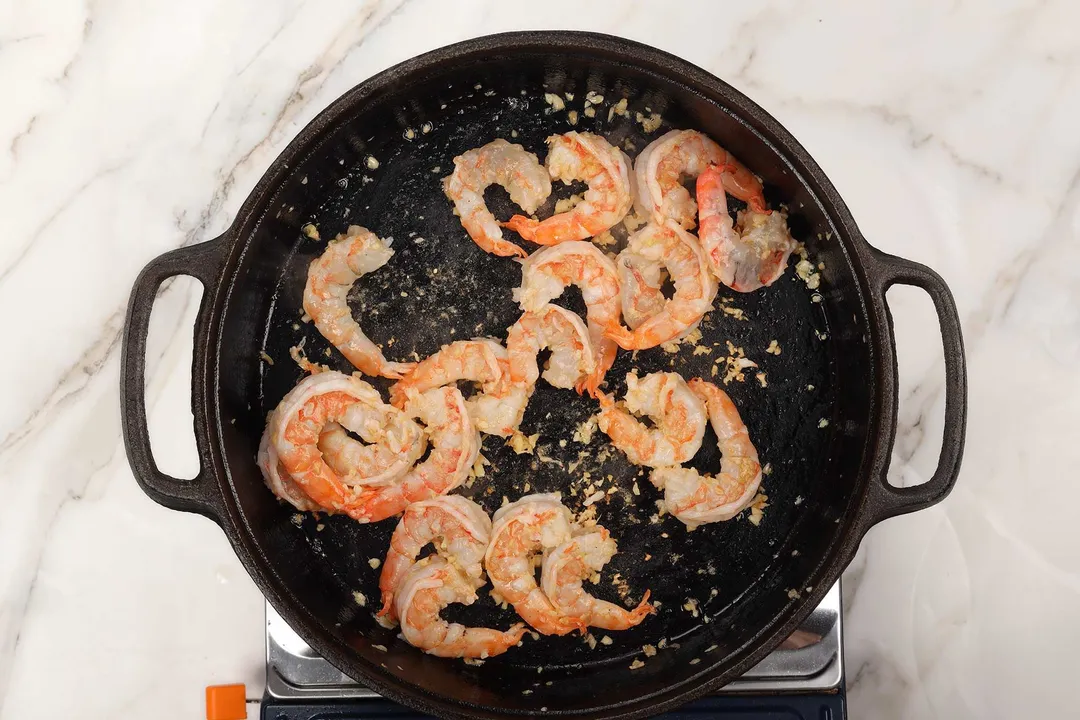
[728, 592]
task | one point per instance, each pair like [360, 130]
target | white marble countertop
[128, 128]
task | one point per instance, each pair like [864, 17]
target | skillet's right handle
[887, 500]
[199, 495]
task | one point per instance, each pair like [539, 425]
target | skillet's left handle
[887, 500]
[200, 494]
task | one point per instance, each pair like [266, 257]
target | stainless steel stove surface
[810, 661]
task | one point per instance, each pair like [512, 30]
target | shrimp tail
[590, 384]
[643, 609]
[397, 370]
[623, 337]
[739, 182]
[507, 249]
[523, 226]
[606, 401]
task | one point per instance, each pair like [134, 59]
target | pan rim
[727, 99]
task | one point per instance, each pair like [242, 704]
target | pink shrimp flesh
[501, 163]
[569, 565]
[746, 255]
[428, 587]
[660, 168]
[587, 157]
[698, 499]
[330, 276]
[459, 528]
[547, 272]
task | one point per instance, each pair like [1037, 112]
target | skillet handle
[887, 500]
[199, 495]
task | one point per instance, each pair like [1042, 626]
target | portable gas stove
[801, 680]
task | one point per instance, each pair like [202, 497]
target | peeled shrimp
[662, 165]
[318, 400]
[698, 499]
[520, 531]
[428, 587]
[569, 565]
[745, 255]
[640, 281]
[587, 157]
[547, 272]
[395, 441]
[695, 287]
[497, 410]
[460, 530]
[345, 260]
[678, 414]
[502, 163]
[455, 445]
[277, 478]
[572, 359]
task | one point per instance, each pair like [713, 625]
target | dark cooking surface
[439, 287]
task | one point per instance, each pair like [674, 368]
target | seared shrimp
[455, 444]
[396, 441]
[747, 255]
[640, 281]
[698, 499]
[520, 531]
[662, 165]
[345, 260]
[572, 359]
[569, 565]
[500, 163]
[695, 287]
[547, 272]
[277, 478]
[460, 530]
[497, 410]
[300, 418]
[428, 587]
[678, 414]
[587, 157]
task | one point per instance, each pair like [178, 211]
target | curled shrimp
[577, 559]
[498, 409]
[640, 281]
[455, 444]
[662, 165]
[298, 423]
[606, 169]
[345, 260]
[361, 464]
[396, 441]
[748, 254]
[521, 532]
[695, 287]
[677, 411]
[277, 478]
[502, 163]
[698, 499]
[428, 587]
[460, 530]
[547, 272]
[572, 359]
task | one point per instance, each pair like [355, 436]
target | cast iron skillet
[824, 423]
